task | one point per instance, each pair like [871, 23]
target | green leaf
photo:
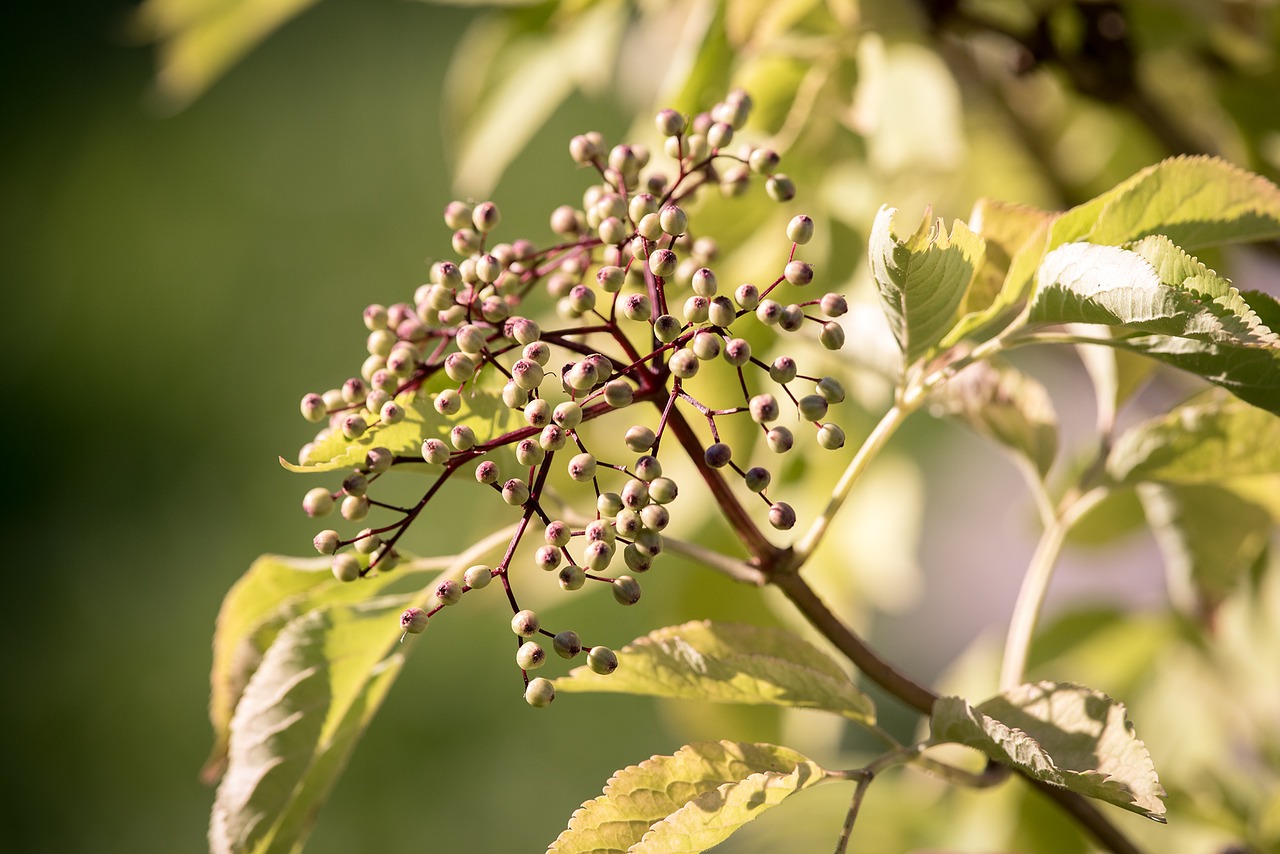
[686, 802]
[1210, 536]
[922, 280]
[200, 39]
[274, 591]
[1063, 734]
[305, 707]
[728, 663]
[484, 412]
[1005, 405]
[698, 72]
[1201, 442]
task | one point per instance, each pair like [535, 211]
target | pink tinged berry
[737, 352]
[538, 352]
[636, 307]
[722, 312]
[704, 282]
[798, 273]
[674, 220]
[639, 438]
[572, 577]
[662, 263]
[683, 364]
[720, 135]
[435, 451]
[514, 397]
[558, 534]
[346, 567]
[552, 437]
[669, 123]
[314, 408]
[609, 504]
[375, 317]
[779, 439]
[696, 309]
[764, 161]
[391, 413]
[448, 402]
[353, 426]
[597, 556]
[612, 231]
[531, 655]
[414, 620]
[706, 345]
[462, 437]
[800, 229]
[834, 305]
[618, 393]
[611, 278]
[515, 492]
[783, 369]
[546, 558]
[635, 494]
[318, 502]
[582, 467]
[626, 590]
[602, 660]
[666, 328]
[539, 693]
[326, 542]
[747, 296]
[485, 216]
[567, 414]
[782, 516]
[457, 214]
[459, 367]
[354, 508]
[648, 468]
[529, 452]
[780, 188]
[527, 374]
[449, 592]
[792, 318]
[526, 623]
[769, 312]
[655, 516]
[487, 472]
[355, 484]
[635, 559]
[367, 542]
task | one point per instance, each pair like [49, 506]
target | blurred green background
[174, 283]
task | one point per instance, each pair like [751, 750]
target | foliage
[521, 356]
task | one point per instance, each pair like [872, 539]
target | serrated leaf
[688, 801]
[484, 412]
[1005, 405]
[305, 707]
[274, 591]
[1210, 538]
[1202, 442]
[1063, 734]
[728, 663]
[922, 280]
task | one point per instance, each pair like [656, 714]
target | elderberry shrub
[640, 322]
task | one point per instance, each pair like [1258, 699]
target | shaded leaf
[1210, 537]
[274, 591]
[686, 802]
[728, 663]
[1201, 442]
[305, 707]
[699, 69]
[1005, 405]
[922, 279]
[1064, 734]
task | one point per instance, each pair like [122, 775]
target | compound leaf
[686, 802]
[318, 686]
[1063, 734]
[728, 663]
[922, 280]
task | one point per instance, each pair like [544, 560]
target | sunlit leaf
[686, 802]
[301, 714]
[273, 592]
[922, 279]
[1201, 442]
[1005, 405]
[1063, 734]
[728, 663]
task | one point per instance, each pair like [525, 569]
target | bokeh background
[173, 283]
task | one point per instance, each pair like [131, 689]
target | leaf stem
[1035, 584]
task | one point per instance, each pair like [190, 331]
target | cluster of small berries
[641, 314]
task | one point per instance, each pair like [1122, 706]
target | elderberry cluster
[642, 326]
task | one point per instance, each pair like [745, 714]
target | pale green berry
[674, 220]
[567, 644]
[763, 408]
[572, 577]
[567, 414]
[380, 342]
[718, 455]
[721, 311]
[683, 364]
[539, 693]
[317, 502]
[514, 397]
[583, 149]
[757, 478]
[597, 556]
[602, 660]
[720, 135]
[531, 655]
[780, 188]
[346, 567]
[413, 620]
[326, 542]
[353, 426]
[779, 439]
[448, 402]
[367, 542]
[354, 508]
[627, 522]
[706, 345]
[800, 229]
[529, 452]
[812, 407]
[457, 214]
[626, 590]
[611, 231]
[747, 296]
[798, 273]
[792, 318]
[488, 268]
[696, 309]
[313, 408]
[537, 413]
[611, 278]
[515, 492]
[485, 216]
[832, 335]
[608, 504]
[641, 205]
[355, 484]
[552, 437]
[830, 436]
[558, 534]
[649, 542]
[466, 241]
[546, 558]
[704, 282]
[449, 592]
[769, 312]
[523, 331]
[435, 451]
[582, 467]
[734, 181]
[618, 393]
[781, 516]
[650, 227]
[648, 468]
[655, 516]
[487, 472]
[391, 413]
[581, 299]
[354, 390]
[636, 307]
[639, 438]
[670, 123]
[783, 369]
[666, 328]
[459, 367]
[566, 221]
[478, 576]
[527, 374]
[696, 148]
[834, 305]
[737, 352]
[386, 560]
[663, 490]
[370, 366]
[764, 161]
[384, 380]
[635, 559]
[635, 494]
[526, 623]
[662, 263]
[830, 389]
[375, 317]
[374, 400]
